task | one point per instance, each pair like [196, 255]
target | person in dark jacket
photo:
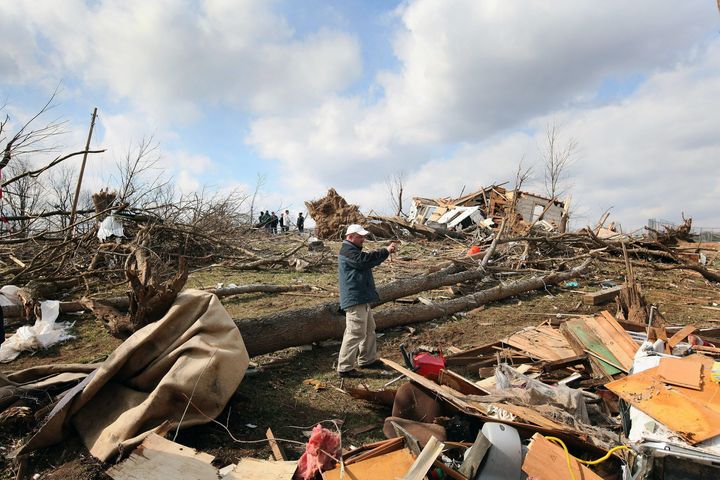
[357, 291]
[274, 223]
[300, 222]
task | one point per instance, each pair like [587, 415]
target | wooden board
[583, 338]
[391, 465]
[261, 470]
[681, 335]
[682, 372]
[547, 461]
[459, 383]
[543, 342]
[534, 417]
[693, 414]
[448, 394]
[158, 457]
[602, 296]
[618, 340]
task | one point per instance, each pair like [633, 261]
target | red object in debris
[315, 457]
[694, 340]
[474, 250]
[429, 365]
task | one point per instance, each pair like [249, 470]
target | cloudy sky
[453, 93]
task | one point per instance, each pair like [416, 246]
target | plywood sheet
[547, 461]
[693, 414]
[391, 465]
[543, 342]
[682, 372]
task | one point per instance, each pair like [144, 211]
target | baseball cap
[355, 228]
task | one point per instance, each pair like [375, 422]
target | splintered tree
[395, 184]
[557, 158]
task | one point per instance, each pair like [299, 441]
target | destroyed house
[486, 207]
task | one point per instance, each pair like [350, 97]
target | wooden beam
[602, 296]
[276, 448]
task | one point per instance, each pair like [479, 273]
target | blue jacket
[357, 285]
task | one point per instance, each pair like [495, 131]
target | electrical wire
[568, 456]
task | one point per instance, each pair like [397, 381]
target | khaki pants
[359, 343]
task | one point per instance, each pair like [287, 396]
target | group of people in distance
[274, 224]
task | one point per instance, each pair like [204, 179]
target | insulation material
[43, 334]
[319, 450]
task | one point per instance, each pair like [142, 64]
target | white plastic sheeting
[109, 227]
[45, 333]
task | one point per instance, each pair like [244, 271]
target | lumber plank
[449, 394]
[602, 296]
[681, 335]
[276, 448]
[542, 342]
[460, 383]
[424, 461]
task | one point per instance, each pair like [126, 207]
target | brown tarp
[194, 351]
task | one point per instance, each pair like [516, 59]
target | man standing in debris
[357, 291]
[300, 223]
[273, 223]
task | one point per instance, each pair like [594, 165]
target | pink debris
[322, 442]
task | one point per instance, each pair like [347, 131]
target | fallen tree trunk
[122, 303]
[300, 327]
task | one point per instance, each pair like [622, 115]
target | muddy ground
[276, 396]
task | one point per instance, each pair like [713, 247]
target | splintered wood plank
[459, 383]
[471, 355]
[547, 461]
[602, 296]
[692, 414]
[158, 457]
[261, 470]
[543, 342]
[682, 372]
[681, 335]
[449, 394]
[534, 417]
[583, 339]
[622, 343]
[391, 465]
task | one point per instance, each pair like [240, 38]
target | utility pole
[82, 172]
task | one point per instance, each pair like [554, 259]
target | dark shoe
[350, 374]
[376, 365]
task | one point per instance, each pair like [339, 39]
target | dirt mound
[332, 214]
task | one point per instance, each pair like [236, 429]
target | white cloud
[171, 58]
[471, 70]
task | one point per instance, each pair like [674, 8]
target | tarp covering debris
[193, 354]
